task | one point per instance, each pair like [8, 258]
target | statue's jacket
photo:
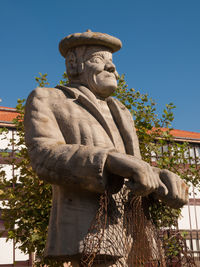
[68, 140]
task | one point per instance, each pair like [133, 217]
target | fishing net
[122, 234]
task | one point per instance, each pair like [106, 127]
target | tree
[27, 210]
[154, 133]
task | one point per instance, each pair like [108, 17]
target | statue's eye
[96, 60]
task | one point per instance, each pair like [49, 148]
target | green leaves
[26, 213]
[27, 210]
[65, 80]
[41, 80]
[157, 145]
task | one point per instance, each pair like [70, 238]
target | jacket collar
[87, 99]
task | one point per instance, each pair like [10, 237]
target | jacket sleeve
[51, 158]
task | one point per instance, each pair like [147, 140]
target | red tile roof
[7, 108]
[8, 114]
[185, 134]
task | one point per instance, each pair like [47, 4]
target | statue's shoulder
[45, 92]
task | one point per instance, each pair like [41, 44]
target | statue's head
[89, 61]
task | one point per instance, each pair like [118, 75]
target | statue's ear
[74, 67]
[71, 64]
[80, 68]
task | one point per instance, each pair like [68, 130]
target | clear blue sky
[160, 54]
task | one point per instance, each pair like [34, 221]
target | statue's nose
[109, 66]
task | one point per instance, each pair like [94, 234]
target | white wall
[6, 251]
[191, 213]
[4, 140]
[8, 170]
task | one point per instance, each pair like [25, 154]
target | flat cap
[89, 38]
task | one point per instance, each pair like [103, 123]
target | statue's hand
[177, 190]
[142, 180]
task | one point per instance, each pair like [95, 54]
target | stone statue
[83, 141]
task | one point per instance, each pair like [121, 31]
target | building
[9, 254]
[189, 223]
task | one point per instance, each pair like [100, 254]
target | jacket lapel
[93, 109]
[90, 106]
[125, 125]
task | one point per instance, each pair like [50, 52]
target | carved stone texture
[83, 142]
